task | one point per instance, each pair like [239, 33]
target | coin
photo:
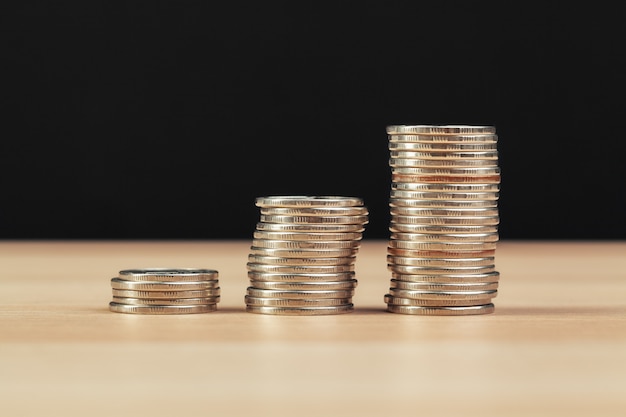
[425, 270]
[304, 253]
[421, 253]
[301, 277]
[448, 278]
[167, 301]
[401, 301]
[301, 261]
[294, 294]
[300, 311]
[453, 187]
[437, 229]
[442, 311]
[479, 138]
[443, 195]
[442, 146]
[435, 286]
[315, 228]
[440, 262]
[304, 285]
[297, 302]
[308, 236]
[443, 211]
[440, 130]
[308, 201]
[161, 310]
[299, 269]
[442, 295]
[315, 211]
[167, 294]
[428, 178]
[445, 155]
[121, 284]
[441, 163]
[168, 274]
[306, 244]
[443, 203]
[359, 220]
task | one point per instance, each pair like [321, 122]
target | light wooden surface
[555, 346]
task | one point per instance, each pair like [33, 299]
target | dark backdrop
[167, 119]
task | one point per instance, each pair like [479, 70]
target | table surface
[555, 345]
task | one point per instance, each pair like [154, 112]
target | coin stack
[165, 291]
[444, 219]
[302, 257]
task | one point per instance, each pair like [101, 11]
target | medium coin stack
[302, 257]
[165, 291]
[444, 219]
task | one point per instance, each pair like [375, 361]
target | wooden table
[555, 345]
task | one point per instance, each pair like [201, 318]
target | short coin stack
[165, 291]
[444, 219]
[302, 257]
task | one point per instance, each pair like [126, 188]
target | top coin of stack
[165, 291]
[303, 254]
[444, 219]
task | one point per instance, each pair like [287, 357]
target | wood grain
[555, 345]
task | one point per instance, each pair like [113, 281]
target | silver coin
[436, 286]
[425, 270]
[315, 211]
[441, 163]
[442, 311]
[443, 195]
[450, 278]
[440, 130]
[298, 302]
[161, 310]
[447, 203]
[459, 230]
[442, 295]
[278, 260]
[308, 236]
[304, 253]
[441, 237]
[168, 274]
[438, 187]
[444, 211]
[492, 155]
[311, 270]
[167, 301]
[439, 178]
[306, 244]
[167, 294]
[359, 220]
[308, 201]
[312, 278]
[421, 253]
[300, 311]
[441, 262]
[304, 285]
[401, 301]
[443, 246]
[424, 138]
[122, 284]
[395, 145]
[310, 294]
[315, 228]
[446, 220]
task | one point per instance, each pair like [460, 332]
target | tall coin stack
[444, 219]
[165, 291]
[302, 257]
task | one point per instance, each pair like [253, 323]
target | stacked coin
[302, 257]
[165, 291]
[444, 219]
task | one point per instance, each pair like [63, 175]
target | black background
[146, 120]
